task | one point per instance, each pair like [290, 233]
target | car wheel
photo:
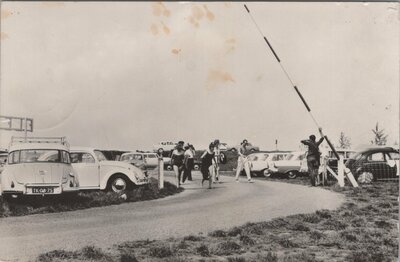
[233, 150]
[266, 172]
[169, 167]
[252, 150]
[196, 167]
[365, 178]
[292, 174]
[118, 184]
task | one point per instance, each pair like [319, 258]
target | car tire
[169, 167]
[292, 174]
[266, 173]
[253, 150]
[365, 178]
[118, 184]
[196, 167]
[233, 150]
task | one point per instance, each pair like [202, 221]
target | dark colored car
[377, 163]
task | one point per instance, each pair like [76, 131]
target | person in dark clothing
[188, 163]
[207, 161]
[313, 156]
[177, 158]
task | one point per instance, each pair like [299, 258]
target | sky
[128, 75]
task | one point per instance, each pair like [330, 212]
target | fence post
[341, 171]
[160, 173]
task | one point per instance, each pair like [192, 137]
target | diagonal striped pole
[296, 89]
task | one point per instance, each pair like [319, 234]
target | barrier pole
[341, 171]
[160, 173]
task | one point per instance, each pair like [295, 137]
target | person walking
[243, 162]
[177, 157]
[217, 161]
[188, 163]
[313, 156]
[207, 160]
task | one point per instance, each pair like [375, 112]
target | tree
[380, 136]
[344, 141]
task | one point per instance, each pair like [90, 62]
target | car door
[392, 160]
[87, 168]
[377, 165]
[260, 162]
[151, 160]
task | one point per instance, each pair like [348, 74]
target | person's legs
[180, 169]
[247, 170]
[217, 172]
[190, 167]
[239, 168]
[177, 176]
[185, 174]
[210, 179]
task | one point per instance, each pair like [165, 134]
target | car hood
[287, 163]
[119, 164]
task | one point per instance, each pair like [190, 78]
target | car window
[65, 158]
[14, 157]
[376, 157]
[151, 156]
[393, 155]
[35, 155]
[126, 157]
[82, 158]
[289, 157]
[87, 158]
[100, 156]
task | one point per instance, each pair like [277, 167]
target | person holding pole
[313, 155]
[243, 162]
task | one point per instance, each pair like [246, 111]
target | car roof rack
[52, 140]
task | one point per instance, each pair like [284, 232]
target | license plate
[42, 190]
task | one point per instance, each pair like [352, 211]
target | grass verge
[51, 204]
[364, 229]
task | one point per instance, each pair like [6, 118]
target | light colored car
[332, 160]
[290, 166]
[3, 160]
[263, 163]
[96, 172]
[164, 145]
[249, 148]
[38, 166]
[143, 160]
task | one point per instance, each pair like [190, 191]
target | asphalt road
[193, 211]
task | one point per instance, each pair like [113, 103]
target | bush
[217, 233]
[324, 213]
[203, 250]
[234, 231]
[160, 251]
[227, 248]
[193, 238]
[91, 252]
[287, 243]
[247, 240]
[300, 227]
[269, 257]
[56, 254]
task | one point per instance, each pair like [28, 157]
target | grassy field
[363, 229]
[50, 204]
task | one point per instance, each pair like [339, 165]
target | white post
[341, 171]
[26, 129]
[160, 173]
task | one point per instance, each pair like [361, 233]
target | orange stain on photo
[218, 77]
[3, 36]
[154, 29]
[160, 9]
[197, 12]
[166, 29]
[5, 13]
[209, 14]
[175, 51]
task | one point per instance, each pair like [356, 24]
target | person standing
[313, 155]
[217, 159]
[188, 163]
[177, 158]
[243, 162]
[207, 160]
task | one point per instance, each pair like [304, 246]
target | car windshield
[100, 156]
[126, 157]
[289, 157]
[39, 155]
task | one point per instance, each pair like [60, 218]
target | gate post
[341, 171]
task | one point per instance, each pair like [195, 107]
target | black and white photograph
[199, 131]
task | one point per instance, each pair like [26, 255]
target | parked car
[332, 160]
[38, 166]
[249, 148]
[375, 163]
[290, 166]
[143, 160]
[263, 163]
[96, 172]
[164, 145]
[3, 161]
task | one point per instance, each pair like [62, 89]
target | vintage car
[290, 166]
[263, 163]
[38, 166]
[375, 163]
[167, 146]
[3, 160]
[96, 172]
[331, 159]
[249, 148]
[142, 160]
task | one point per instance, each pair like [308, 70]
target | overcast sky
[128, 75]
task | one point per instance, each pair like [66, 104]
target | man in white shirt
[243, 162]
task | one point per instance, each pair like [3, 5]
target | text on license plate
[42, 190]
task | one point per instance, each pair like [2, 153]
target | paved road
[195, 210]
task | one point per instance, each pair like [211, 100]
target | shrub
[300, 227]
[91, 252]
[217, 233]
[56, 254]
[324, 213]
[234, 231]
[269, 257]
[247, 240]
[316, 235]
[303, 257]
[128, 258]
[227, 248]
[287, 243]
[203, 250]
[236, 259]
[160, 251]
[349, 236]
[192, 238]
